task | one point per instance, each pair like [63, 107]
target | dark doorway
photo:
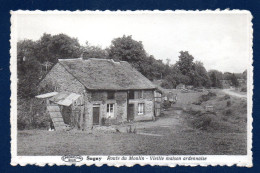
[66, 114]
[130, 112]
[96, 115]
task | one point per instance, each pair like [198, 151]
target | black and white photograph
[135, 87]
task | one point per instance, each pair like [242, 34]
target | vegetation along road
[232, 93]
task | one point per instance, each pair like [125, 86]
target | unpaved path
[232, 93]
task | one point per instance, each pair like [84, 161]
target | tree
[185, 63]
[51, 48]
[94, 52]
[33, 56]
[245, 75]
[234, 80]
[202, 75]
[227, 76]
[215, 81]
[28, 68]
[126, 49]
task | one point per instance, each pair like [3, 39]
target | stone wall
[99, 98]
[62, 80]
[148, 100]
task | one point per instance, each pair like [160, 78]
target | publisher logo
[72, 158]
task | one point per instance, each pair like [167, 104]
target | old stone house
[104, 91]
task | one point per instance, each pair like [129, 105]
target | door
[96, 111]
[130, 112]
[66, 114]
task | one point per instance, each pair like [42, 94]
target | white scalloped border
[35, 160]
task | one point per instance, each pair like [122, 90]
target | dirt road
[232, 93]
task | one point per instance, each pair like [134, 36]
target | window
[140, 108]
[131, 94]
[110, 110]
[139, 94]
[110, 95]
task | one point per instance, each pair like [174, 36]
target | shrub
[228, 103]
[226, 97]
[206, 97]
[243, 89]
[166, 104]
[197, 102]
[31, 114]
[202, 122]
[228, 112]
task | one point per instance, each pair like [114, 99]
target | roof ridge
[70, 59]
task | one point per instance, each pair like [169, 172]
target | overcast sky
[220, 41]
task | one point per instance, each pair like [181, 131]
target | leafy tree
[202, 75]
[94, 52]
[215, 81]
[234, 80]
[51, 48]
[34, 56]
[227, 76]
[244, 75]
[185, 63]
[126, 49]
[28, 68]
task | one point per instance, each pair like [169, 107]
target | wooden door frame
[99, 119]
[127, 117]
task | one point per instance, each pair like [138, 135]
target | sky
[219, 41]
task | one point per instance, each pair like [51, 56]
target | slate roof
[105, 74]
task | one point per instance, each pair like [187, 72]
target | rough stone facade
[64, 81]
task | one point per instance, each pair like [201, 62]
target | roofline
[103, 89]
[71, 74]
[120, 89]
[43, 77]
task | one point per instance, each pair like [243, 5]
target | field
[172, 134]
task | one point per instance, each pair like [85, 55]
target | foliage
[94, 52]
[127, 49]
[202, 75]
[215, 79]
[51, 48]
[31, 114]
[185, 63]
[244, 89]
[228, 103]
[234, 80]
[35, 58]
[244, 75]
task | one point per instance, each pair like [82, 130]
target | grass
[174, 135]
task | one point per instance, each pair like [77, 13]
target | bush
[32, 114]
[166, 104]
[206, 97]
[197, 102]
[243, 89]
[228, 112]
[194, 112]
[202, 122]
[226, 97]
[228, 103]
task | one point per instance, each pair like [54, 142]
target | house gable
[60, 79]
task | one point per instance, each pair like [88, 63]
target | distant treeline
[35, 59]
